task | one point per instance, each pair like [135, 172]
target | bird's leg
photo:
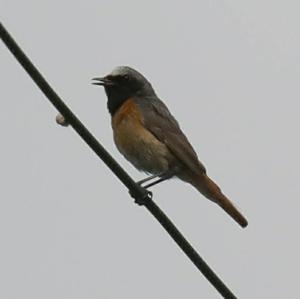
[162, 177]
[149, 179]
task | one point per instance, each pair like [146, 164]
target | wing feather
[161, 123]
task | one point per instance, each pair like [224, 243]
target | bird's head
[123, 83]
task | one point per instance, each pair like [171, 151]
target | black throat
[115, 98]
[118, 94]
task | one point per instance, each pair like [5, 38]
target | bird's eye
[126, 77]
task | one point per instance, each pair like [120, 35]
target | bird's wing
[161, 123]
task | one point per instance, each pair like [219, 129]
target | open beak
[103, 81]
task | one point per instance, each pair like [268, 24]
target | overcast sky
[229, 71]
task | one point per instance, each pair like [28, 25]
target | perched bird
[148, 135]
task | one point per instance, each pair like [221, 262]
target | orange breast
[135, 142]
[127, 126]
[128, 110]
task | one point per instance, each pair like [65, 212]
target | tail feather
[209, 189]
[229, 208]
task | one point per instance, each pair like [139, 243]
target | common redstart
[148, 136]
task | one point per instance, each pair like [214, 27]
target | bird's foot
[141, 200]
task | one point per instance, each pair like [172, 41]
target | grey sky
[229, 72]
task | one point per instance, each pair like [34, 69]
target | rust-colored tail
[209, 189]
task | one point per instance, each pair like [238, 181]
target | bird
[148, 135]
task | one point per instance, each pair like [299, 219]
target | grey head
[123, 83]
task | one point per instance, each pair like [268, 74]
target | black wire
[141, 195]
